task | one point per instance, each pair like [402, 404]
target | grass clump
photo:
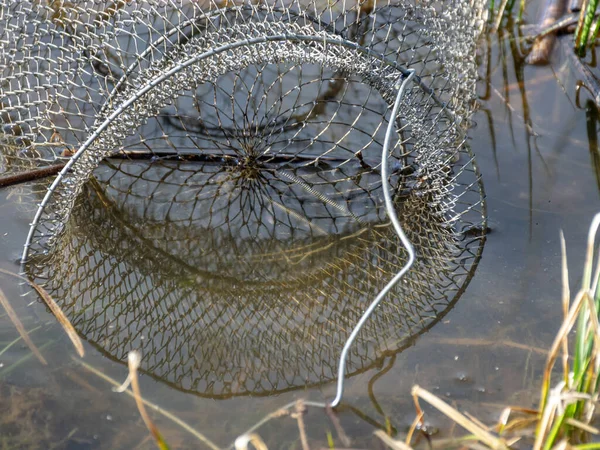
[587, 27]
[569, 393]
[567, 409]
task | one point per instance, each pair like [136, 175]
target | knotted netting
[221, 206]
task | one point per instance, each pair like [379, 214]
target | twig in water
[535, 32]
[540, 52]
[20, 328]
[60, 316]
[338, 426]
[30, 175]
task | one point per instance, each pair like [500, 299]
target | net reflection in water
[233, 288]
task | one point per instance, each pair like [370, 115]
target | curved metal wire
[389, 207]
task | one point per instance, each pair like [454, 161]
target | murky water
[538, 155]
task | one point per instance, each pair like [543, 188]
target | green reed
[568, 409]
[587, 28]
[567, 412]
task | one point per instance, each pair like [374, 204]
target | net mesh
[223, 208]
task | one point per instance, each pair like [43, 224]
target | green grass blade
[582, 42]
[556, 429]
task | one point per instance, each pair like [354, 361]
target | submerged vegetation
[577, 17]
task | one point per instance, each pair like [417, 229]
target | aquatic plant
[567, 407]
[587, 27]
[584, 13]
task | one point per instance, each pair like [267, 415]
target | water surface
[537, 152]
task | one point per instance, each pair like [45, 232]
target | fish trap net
[222, 204]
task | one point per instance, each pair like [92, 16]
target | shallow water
[486, 352]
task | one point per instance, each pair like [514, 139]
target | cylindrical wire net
[237, 230]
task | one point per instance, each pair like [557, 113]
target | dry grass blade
[548, 415]
[562, 334]
[392, 443]
[20, 328]
[521, 423]
[462, 443]
[241, 443]
[134, 360]
[482, 434]
[413, 427]
[499, 16]
[582, 426]
[566, 295]
[60, 316]
[593, 320]
[283, 411]
[62, 319]
[562, 445]
[475, 420]
[491, 343]
[589, 257]
[151, 405]
[505, 425]
[503, 420]
[299, 415]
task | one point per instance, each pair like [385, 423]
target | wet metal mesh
[222, 205]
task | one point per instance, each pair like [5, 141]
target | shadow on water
[230, 336]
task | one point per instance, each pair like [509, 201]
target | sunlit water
[533, 148]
